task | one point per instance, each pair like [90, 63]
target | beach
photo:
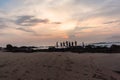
[59, 66]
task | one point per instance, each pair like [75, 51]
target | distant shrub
[9, 47]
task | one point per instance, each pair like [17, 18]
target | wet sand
[59, 66]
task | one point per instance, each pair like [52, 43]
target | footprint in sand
[48, 66]
[15, 70]
[118, 72]
[44, 65]
[41, 79]
[68, 69]
[59, 55]
[85, 74]
[6, 72]
[112, 78]
[98, 76]
[3, 76]
[27, 71]
[2, 65]
[19, 79]
[77, 72]
[48, 79]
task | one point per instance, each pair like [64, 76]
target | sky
[44, 22]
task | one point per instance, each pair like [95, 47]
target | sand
[59, 66]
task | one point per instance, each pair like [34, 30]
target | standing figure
[61, 44]
[67, 43]
[57, 44]
[75, 43]
[83, 45]
[72, 43]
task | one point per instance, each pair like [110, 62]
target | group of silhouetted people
[66, 44]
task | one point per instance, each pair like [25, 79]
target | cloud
[80, 29]
[2, 12]
[3, 23]
[91, 3]
[29, 20]
[114, 37]
[83, 28]
[56, 23]
[110, 9]
[110, 22]
[2, 34]
[77, 31]
[3, 26]
[26, 30]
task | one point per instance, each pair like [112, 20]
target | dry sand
[59, 66]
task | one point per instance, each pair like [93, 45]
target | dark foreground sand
[59, 66]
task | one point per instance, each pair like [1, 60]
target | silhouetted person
[67, 44]
[75, 43]
[72, 43]
[83, 45]
[57, 44]
[61, 44]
